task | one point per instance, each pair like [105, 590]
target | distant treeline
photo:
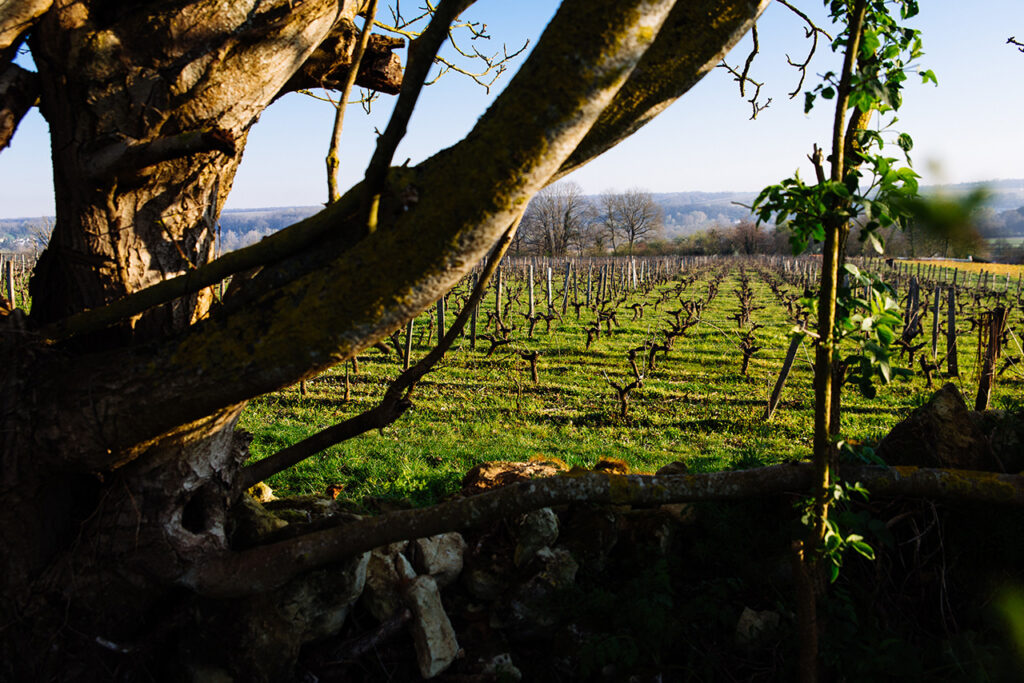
[687, 223]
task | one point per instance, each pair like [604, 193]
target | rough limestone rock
[433, 635]
[940, 433]
[484, 584]
[490, 475]
[590, 532]
[754, 628]
[439, 556]
[536, 530]
[319, 604]
[270, 628]
[502, 668]
[529, 610]
[381, 596]
[261, 492]
[404, 567]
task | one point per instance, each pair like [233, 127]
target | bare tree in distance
[632, 216]
[746, 237]
[557, 220]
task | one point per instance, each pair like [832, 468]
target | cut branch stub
[132, 157]
[19, 91]
[380, 69]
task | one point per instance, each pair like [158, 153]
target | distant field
[1014, 241]
[695, 406]
[974, 267]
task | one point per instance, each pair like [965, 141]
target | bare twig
[811, 31]
[743, 78]
[422, 52]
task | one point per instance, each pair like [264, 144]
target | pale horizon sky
[965, 130]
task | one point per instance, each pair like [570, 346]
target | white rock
[436, 647]
[439, 556]
[403, 567]
[502, 668]
[536, 530]
[381, 595]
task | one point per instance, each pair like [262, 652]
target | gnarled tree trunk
[120, 457]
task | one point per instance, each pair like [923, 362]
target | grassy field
[1003, 270]
[695, 406]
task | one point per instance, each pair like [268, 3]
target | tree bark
[16, 18]
[117, 81]
[120, 457]
[19, 90]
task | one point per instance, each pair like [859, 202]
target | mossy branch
[666, 72]
[443, 215]
[396, 399]
[235, 574]
[422, 51]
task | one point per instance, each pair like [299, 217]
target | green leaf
[883, 367]
[874, 241]
[869, 43]
[863, 548]
[828, 93]
[833, 573]
[885, 335]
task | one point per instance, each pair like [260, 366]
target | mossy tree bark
[120, 458]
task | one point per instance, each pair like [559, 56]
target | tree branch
[330, 65]
[129, 157]
[234, 574]
[811, 31]
[392, 406]
[844, 89]
[346, 91]
[270, 250]
[666, 72]
[437, 220]
[422, 51]
[16, 18]
[19, 92]
[743, 78]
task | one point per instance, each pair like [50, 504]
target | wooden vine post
[989, 333]
[952, 367]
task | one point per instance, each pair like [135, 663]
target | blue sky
[969, 128]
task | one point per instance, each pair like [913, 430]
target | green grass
[695, 406]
